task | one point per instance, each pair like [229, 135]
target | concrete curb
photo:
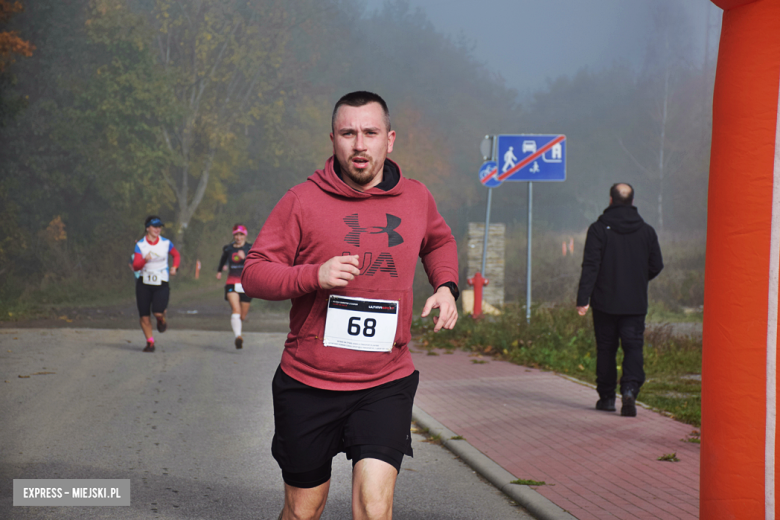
[539, 506]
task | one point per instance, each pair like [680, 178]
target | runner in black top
[233, 256]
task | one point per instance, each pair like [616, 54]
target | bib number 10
[369, 327]
[152, 278]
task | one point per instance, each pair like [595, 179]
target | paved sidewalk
[543, 427]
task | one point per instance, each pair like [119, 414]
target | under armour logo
[393, 237]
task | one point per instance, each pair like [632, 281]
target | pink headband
[240, 229]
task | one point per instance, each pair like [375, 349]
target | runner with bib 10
[150, 260]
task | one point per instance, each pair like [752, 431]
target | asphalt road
[190, 425]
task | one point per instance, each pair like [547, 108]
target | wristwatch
[453, 287]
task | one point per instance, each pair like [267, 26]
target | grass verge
[28, 301]
[51, 297]
[560, 340]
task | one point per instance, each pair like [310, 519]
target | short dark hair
[358, 99]
[618, 198]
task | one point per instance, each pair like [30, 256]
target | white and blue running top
[155, 268]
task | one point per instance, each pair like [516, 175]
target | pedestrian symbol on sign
[509, 159]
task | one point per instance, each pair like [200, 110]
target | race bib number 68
[361, 324]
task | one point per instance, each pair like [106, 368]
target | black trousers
[628, 330]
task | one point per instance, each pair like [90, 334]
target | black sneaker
[239, 342]
[149, 347]
[162, 325]
[629, 404]
[606, 404]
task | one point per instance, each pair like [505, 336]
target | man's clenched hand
[338, 271]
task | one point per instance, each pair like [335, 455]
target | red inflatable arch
[739, 395]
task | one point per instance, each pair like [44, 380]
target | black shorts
[313, 425]
[151, 296]
[242, 297]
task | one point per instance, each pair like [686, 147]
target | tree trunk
[188, 207]
[181, 225]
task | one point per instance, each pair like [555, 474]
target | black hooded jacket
[621, 255]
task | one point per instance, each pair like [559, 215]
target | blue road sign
[530, 158]
[487, 174]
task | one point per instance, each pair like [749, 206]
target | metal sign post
[487, 227]
[528, 264]
[524, 158]
[488, 169]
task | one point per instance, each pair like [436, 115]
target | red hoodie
[389, 230]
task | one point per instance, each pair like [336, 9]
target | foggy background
[528, 42]
[205, 112]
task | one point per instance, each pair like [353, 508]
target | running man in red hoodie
[343, 246]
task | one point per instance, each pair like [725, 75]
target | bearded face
[361, 143]
[360, 167]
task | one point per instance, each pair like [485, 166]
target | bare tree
[668, 119]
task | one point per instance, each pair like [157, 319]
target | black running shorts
[242, 297]
[154, 297]
[313, 425]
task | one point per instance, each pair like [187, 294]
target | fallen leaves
[669, 457]
[36, 374]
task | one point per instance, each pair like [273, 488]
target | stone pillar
[495, 263]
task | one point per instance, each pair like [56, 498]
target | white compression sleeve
[235, 322]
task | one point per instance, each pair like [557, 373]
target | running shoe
[162, 325]
[239, 342]
[149, 347]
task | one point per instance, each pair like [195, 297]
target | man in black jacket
[621, 255]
